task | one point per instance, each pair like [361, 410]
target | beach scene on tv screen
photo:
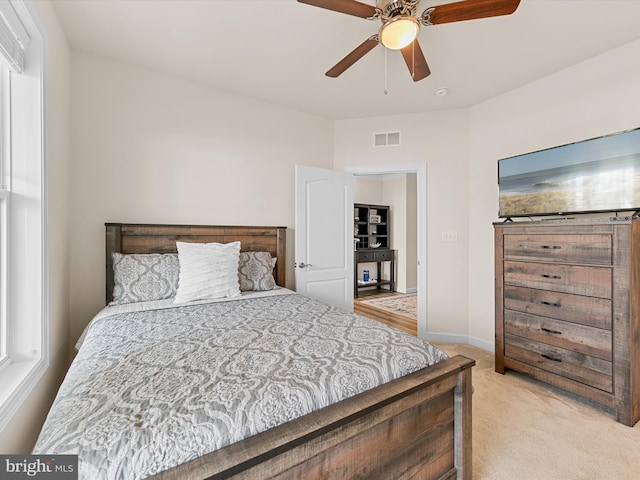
[601, 174]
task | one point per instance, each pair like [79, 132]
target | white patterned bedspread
[152, 389]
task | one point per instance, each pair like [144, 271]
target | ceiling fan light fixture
[399, 32]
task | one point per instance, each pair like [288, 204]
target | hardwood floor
[401, 322]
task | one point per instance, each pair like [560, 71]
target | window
[23, 307]
[5, 198]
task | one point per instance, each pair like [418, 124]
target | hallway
[401, 322]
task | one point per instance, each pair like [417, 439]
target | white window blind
[14, 38]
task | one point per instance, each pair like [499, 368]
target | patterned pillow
[144, 277]
[207, 271]
[255, 271]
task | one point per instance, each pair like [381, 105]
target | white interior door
[324, 235]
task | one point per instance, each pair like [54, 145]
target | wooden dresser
[567, 307]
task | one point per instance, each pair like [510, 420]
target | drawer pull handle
[550, 304]
[551, 247]
[556, 332]
[553, 277]
[553, 359]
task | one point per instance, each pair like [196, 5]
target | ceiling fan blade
[415, 60]
[469, 10]
[350, 7]
[359, 52]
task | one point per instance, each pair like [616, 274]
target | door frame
[420, 169]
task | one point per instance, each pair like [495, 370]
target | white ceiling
[279, 50]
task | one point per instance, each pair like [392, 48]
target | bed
[415, 426]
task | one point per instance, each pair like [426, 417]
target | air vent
[389, 139]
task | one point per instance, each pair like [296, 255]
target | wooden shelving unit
[370, 232]
[372, 242]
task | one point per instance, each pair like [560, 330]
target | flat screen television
[597, 175]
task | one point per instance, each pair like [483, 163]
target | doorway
[413, 279]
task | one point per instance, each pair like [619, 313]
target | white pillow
[207, 270]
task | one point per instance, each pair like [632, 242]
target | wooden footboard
[416, 427]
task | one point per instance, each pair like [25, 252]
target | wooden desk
[375, 255]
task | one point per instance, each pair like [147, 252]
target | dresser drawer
[366, 256]
[589, 249]
[567, 335]
[589, 281]
[590, 311]
[384, 255]
[374, 255]
[582, 368]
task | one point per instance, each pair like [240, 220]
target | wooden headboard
[140, 238]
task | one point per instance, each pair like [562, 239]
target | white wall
[439, 140]
[595, 97]
[20, 434]
[368, 189]
[151, 148]
[411, 279]
[394, 193]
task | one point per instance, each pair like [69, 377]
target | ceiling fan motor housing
[393, 8]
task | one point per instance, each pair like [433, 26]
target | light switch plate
[450, 236]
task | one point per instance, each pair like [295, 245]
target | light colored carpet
[527, 430]
[405, 304]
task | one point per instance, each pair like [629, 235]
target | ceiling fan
[401, 24]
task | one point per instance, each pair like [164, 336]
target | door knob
[303, 265]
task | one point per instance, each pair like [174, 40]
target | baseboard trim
[447, 337]
[483, 344]
[459, 338]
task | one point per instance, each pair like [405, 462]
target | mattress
[155, 385]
